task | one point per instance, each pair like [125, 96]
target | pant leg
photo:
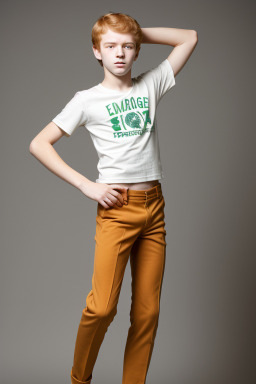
[115, 235]
[147, 267]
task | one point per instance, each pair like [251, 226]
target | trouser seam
[109, 294]
[156, 325]
[121, 242]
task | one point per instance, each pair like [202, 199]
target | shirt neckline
[109, 90]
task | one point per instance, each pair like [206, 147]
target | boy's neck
[118, 83]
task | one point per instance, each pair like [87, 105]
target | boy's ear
[97, 53]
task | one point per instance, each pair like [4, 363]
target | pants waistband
[145, 194]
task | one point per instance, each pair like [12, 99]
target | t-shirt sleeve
[72, 115]
[160, 79]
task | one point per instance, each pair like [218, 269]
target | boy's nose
[120, 52]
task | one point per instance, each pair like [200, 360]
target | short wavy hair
[118, 22]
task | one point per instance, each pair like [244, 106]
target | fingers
[111, 203]
[120, 196]
[125, 195]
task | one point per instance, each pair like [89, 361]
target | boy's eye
[129, 46]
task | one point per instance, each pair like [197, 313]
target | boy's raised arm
[184, 42]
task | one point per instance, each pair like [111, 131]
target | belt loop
[146, 198]
[157, 191]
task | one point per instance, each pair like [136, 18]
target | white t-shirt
[122, 125]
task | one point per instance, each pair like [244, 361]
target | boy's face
[116, 47]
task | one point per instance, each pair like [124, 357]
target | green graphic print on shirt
[124, 118]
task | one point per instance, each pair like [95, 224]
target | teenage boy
[120, 113]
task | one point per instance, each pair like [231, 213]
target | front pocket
[100, 210]
[114, 212]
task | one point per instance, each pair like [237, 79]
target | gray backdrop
[207, 141]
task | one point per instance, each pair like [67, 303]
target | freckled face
[117, 47]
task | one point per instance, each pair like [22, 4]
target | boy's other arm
[184, 42]
[42, 148]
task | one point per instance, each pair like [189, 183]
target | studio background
[207, 140]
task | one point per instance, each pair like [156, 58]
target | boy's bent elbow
[31, 147]
[194, 35]
[34, 145]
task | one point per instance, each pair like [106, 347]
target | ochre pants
[136, 230]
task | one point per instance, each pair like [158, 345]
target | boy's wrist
[84, 183]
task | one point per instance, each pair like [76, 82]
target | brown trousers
[136, 230]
